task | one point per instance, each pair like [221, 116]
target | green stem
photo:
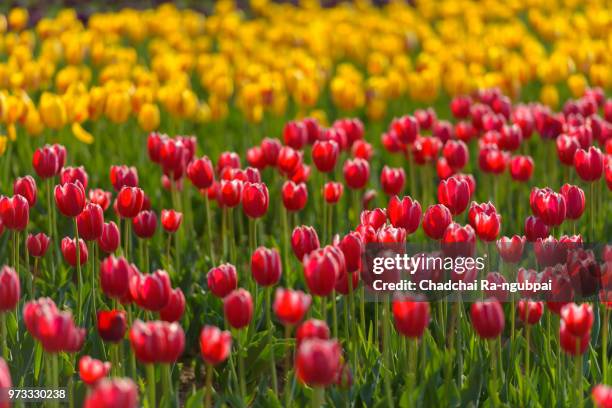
[3, 335]
[318, 397]
[335, 313]
[271, 338]
[29, 278]
[604, 344]
[412, 358]
[210, 372]
[211, 252]
[241, 367]
[50, 227]
[167, 388]
[285, 226]
[150, 368]
[387, 352]
[79, 273]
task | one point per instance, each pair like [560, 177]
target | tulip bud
[318, 362]
[304, 240]
[171, 220]
[294, 195]
[37, 244]
[295, 135]
[100, 197]
[152, 291]
[521, 168]
[352, 247]
[255, 199]
[392, 180]
[91, 370]
[574, 201]
[110, 239]
[90, 222]
[456, 154]
[157, 341]
[530, 312]
[411, 317]
[116, 392]
[70, 198]
[46, 163]
[222, 280]
[215, 345]
[26, 187]
[9, 289]
[14, 212]
[201, 173]
[322, 268]
[290, 306]
[69, 249]
[174, 309]
[325, 154]
[238, 308]
[487, 318]
[356, 173]
[112, 325]
[74, 174]
[266, 266]
[435, 221]
[123, 176]
[332, 192]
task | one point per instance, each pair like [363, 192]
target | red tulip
[454, 194]
[313, 129]
[255, 157]
[443, 130]
[318, 362]
[270, 149]
[304, 240]
[353, 127]
[589, 164]
[201, 173]
[215, 345]
[566, 148]
[228, 159]
[14, 212]
[578, 319]
[498, 293]
[171, 220]
[356, 173]
[174, 309]
[352, 247]
[443, 169]
[376, 217]
[9, 289]
[222, 280]
[530, 312]
[294, 195]
[116, 393]
[391, 142]
[312, 329]
[152, 291]
[492, 160]
[115, 275]
[74, 174]
[100, 197]
[336, 134]
[389, 234]
[157, 341]
[548, 205]
[70, 198]
[129, 201]
[266, 266]
[460, 107]
[145, 224]
[404, 213]
[362, 149]
[435, 221]
[521, 168]
[123, 176]
[511, 137]
[570, 343]
[112, 325]
[55, 330]
[456, 154]
[332, 191]
[511, 249]
[535, 228]
[110, 239]
[602, 394]
[294, 134]
[288, 160]
[46, 162]
[69, 251]
[90, 222]
[290, 306]
[487, 318]
[91, 370]
[392, 180]
[406, 128]
[37, 244]
[321, 269]
[5, 383]
[426, 149]
[238, 308]
[255, 199]
[26, 187]
[411, 317]
[574, 201]
[426, 118]
[325, 155]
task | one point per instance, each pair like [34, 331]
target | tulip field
[210, 206]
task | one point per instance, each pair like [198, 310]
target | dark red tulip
[171, 220]
[321, 269]
[498, 293]
[392, 180]
[487, 318]
[129, 201]
[201, 173]
[456, 154]
[454, 194]
[73, 174]
[222, 280]
[100, 197]
[602, 394]
[215, 345]
[511, 137]
[255, 199]
[566, 148]
[318, 362]
[145, 224]
[411, 317]
[69, 251]
[115, 276]
[313, 129]
[549, 206]
[589, 164]
[578, 319]
[238, 308]
[123, 176]
[406, 128]
[290, 306]
[492, 160]
[511, 249]
[426, 118]
[342, 281]
[570, 343]
[459, 240]
[157, 341]
[294, 195]
[70, 198]
[362, 149]
[530, 312]
[37, 244]
[288, 160]
[404, 213]
[356, 173]
[352, 247]
[535, 228]
[228, 159]
[90, 222]
[46, 162]
[91, 370]
[304, 240]
[443, 130]
[426, 149]
[332, 192]
[116, 392]
[154, 144]
[270, 149]
[14, 212]
[26, 187]
[266, 266]
[353, 127]
[295, 135]
[435, 221]
[391, 142]
[325, 155]
[230, 193]
[174, 309]
[110, 239]
[151, 291]
[336, 134]
[574, 201]
[55, 330]
[112, 325]
[521, 168]
[9, 289]
[460, 106]
[312, 329]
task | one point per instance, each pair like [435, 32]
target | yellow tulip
[549, 96]
[148, 117]
[577, 84]
[52, 110]
[33, 123]
[3, 143]
[117, 107]
[18, 18]
[81, 134]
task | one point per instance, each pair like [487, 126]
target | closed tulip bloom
[100, 197]
[574, 201]
[521, 168]
[318, 362]
[376, 217]
[294, 195]
[230, 192]
[145, 224]
[435, 221]
[222, 280]
[578, 318]
[411, 317]
[14, 212]
[602, 394]
[570, 343]
[74, 174]
[321, 269]
[487, 318]
[510, 137]
[456, 154]
[171, 220]
[157, 341]
[129, 201]
[228, 159]
[530, 312]
[392, 180]
[46, 162]
[487, 226]
[312, 329]
[116, 393]
[404, 213]
[90, 222]
[390, 234]
[535, 228]
[112, 325]
[255, 199]
[201, 172]
[549, 206]
[352, 247]
[511, 249]
[332, 192]
[304, 240]
[288, 160]
[55, 330]
[238, 308]
[123, 176]
[492, 160]
[290, 306]
[69, 251]
[26, 187]
[5, 383]
[215, 345]
[589, 164]
[91, 370]
[152, 291]
[566, 149]
[115, 275]
[295, 135]
[443, 169]
[174, 309]
[460, 106]
[37, 244]
[454, 194]
[110, 239]
[476, 208]
[70, 198]
[266, 266]
[356, 173]
[325, 155]
[9, 289]
[406, 128]
[270, 149]
[362, 149]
